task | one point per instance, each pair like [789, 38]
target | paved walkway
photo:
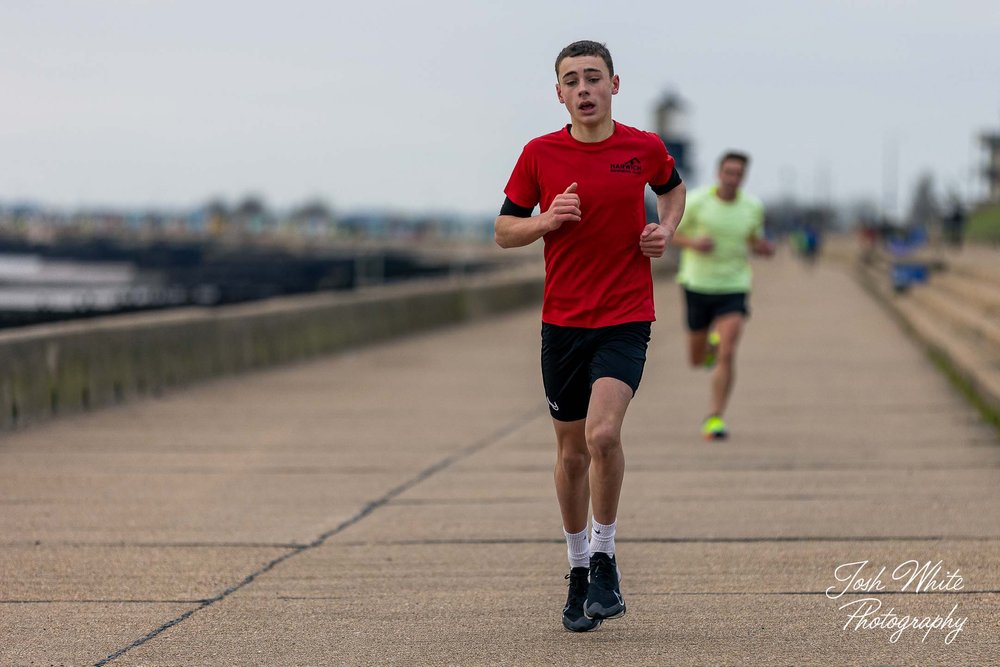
[394, 506]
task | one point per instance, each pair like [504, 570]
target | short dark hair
[585, 47]
[739, 156]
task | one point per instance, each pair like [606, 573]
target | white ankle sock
[577, 548]
[603, 538]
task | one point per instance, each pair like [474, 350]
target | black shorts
[574, 358]
[703, 308]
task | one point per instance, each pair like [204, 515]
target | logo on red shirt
[633, 166]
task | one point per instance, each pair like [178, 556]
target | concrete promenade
[394, 506]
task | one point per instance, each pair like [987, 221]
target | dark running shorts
[703, 308]
[574, 358]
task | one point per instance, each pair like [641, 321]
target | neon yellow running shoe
[712, 354]
[714, 428]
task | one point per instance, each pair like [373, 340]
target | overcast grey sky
[426, 105]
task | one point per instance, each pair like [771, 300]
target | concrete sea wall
[59, 369]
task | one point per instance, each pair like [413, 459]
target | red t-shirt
[595, 274]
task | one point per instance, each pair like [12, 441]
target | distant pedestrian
[807, 242]
[954, 223]
[589, 179]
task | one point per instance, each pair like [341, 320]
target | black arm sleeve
[510, 208]
[675, 180]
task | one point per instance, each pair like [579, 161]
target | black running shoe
[574, 619]
[604, 597]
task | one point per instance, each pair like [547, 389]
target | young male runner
[720, 225]
[589, 180]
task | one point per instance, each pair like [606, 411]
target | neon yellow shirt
[726, 268]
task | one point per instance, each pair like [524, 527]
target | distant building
[314, 219]
[991, 143]
[671, 125]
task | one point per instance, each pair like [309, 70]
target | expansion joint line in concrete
[359, 516]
